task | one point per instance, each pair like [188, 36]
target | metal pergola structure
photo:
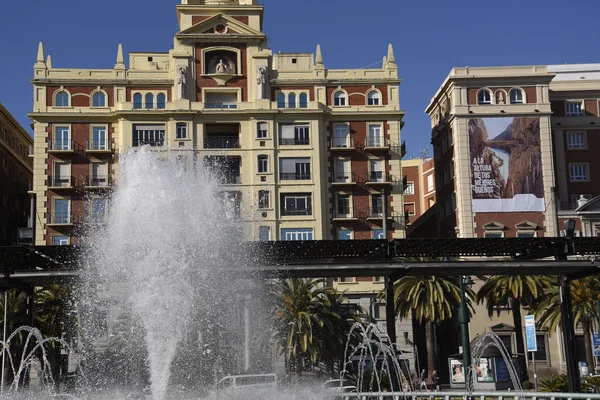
[25, 267]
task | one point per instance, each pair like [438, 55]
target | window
[341, 136]
[574, 108]
[263, 164]
[62, 174]
[99, 174]
[339, 98]
[292, 100]
[430, 185]
[62, 211]
[97, 211]
[137, 101]
[60, 240]
[579, 172]
[376, 170]
[576, 140]
[492, 234]
[344, 234]
[62, 140]
[294, 134]
[373, 98]
[99, 141]
[344, 208]
[281, 100]
[484, 97]
[160, 101]
[342, 170]
[375, 138]
[152, 135]
[376, 206]
[409, 209]
[263, 199]
[303, 100]
[294, 169]
[262, 131]
[526, 234]
[540, 354]
[181, 130]
[297, 234]
[516, 96]
[62, 99]
[378, 233]
[149, 99]
[296, 204]
[264, 233]
[99, 99]
[221, 100]
[409, 188]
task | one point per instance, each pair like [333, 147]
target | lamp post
[463, 319]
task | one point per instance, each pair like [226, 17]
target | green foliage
[555, 383]
[310, 321]
[527, 385]
[498, 291]
[591, 384]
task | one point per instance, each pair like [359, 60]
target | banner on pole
[530, 333]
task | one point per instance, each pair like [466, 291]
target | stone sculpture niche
[220, 62]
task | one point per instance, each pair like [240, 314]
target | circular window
[220, 28]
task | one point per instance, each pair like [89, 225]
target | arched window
[516, 96]
[263, 163]
[161, 100]
[292, 100]
[484, 97]
[303, 100]
[281, 100]
[339, 98]
[62, 99]
[149, 100]
[373, 98]
[137, 100]
[99, 100]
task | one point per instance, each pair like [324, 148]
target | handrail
[450, 395]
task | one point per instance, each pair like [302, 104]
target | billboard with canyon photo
[506, 164]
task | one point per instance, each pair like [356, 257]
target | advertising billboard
[506, 164]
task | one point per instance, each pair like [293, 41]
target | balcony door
[344, 210]
[376, 167]
[376, 205]
[342, 136]
[62, 213]
[99, 141]
[100, 174]
[62, 140]
[342, 170]
[375, 138]
[62, 174]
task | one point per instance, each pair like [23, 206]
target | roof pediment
[502, 327]
[592, 205]
[493, 225]
[219, 26]
[526, 225]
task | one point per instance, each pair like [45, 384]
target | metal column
[384, 212]
[568, 335]
[390, 310]
[463, 319]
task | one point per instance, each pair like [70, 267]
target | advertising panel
[456, 369]
[530, 333]
[506, 164]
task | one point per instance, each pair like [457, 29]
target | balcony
[221, 106]
[378, 178]
[294, 142]
[98, 146]
[226, 170]
[222, 142]
[293, 177]
[60, 219]
[98, 182]
[345, 178]
[346, 143]
[403, 149]
[296, 212]
[376, 142]
[60, 182]
[61, 146]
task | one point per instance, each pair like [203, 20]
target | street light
[463, 319]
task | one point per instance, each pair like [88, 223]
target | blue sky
[429, 38]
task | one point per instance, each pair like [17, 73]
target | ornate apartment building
[308, 152]
[16, 174]
[515, 152]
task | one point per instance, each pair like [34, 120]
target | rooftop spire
[319, 57]
[390, 56]
[40, 54]
[120, 60]
[49, 61]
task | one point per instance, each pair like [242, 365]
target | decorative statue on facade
[261, 82]
[223, 63]
[181, 82]
[221, 67]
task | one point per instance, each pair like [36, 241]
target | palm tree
[515, 291]
[432, 300]
[585, 294]
[302, 313]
